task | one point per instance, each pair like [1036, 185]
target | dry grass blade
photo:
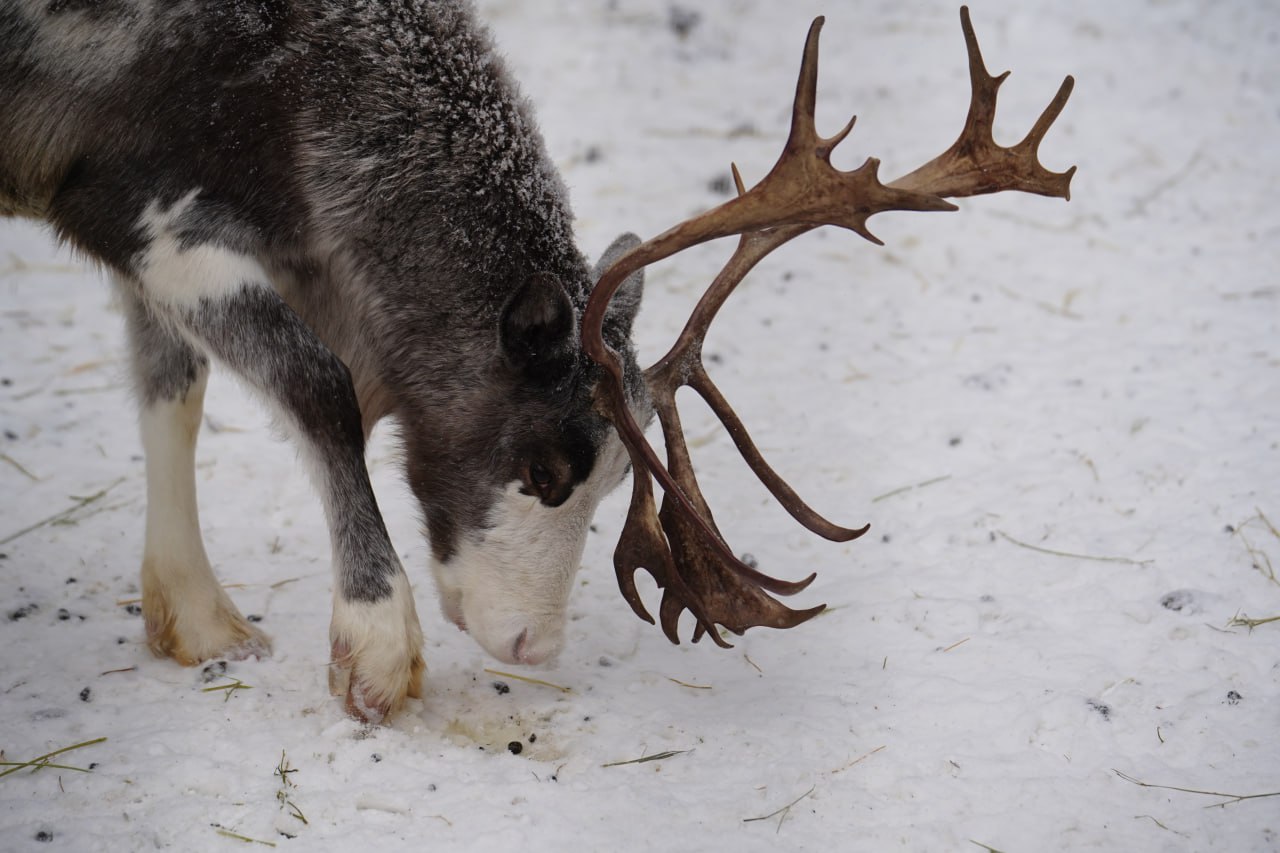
[133, 668]
[236, 684]
[644, 759]
[1260, 559]
[911, 488]
[687, 684]
[1242, 620]
[6, 458]
[1159, 824]
[15, 766]
[986, 847]
[43, 760]
[1125, 560]
[859, 759]
[781, 813]
[1229, 799]
[527, 680]
[64, 517]
[1267, 522]
[226, 833]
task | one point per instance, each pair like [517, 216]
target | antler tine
[777, 486]
[682, 365]
[804, 130]
[804, 107]
[1031, 142]
[680, 544]
[689, 495]
[985, 87]
[975, 164]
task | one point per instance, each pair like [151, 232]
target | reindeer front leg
[199, 290]
[375, 636]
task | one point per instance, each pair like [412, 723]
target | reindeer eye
[540, 481]
[539, 475]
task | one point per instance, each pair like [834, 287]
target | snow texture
[1099, 378]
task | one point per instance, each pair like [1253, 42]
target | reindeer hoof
[375, 691]
[376, 653]
[194, 634]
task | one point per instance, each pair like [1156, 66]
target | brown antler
[681, 545]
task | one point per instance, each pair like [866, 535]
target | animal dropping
[348, 205]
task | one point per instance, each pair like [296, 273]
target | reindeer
[347, 203]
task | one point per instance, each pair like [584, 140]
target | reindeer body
[349, 205]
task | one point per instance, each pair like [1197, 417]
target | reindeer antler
[681, 545]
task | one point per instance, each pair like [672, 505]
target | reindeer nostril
[517, 650]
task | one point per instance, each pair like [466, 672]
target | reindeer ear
[537, 326]
[626, 301]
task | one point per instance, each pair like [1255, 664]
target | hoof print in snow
[1233, 698]
[682, 20]
[1181, 601]
[213, 671]
[1102, 708]
[23, 612]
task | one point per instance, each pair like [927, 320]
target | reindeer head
[526, 459]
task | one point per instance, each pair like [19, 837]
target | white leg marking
[377, 652]
[189, 616]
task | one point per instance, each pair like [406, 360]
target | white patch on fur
[513, 580]
[180, 277]
[174, 564]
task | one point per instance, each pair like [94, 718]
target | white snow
[1096, 378]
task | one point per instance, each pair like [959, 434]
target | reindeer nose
[531, 653]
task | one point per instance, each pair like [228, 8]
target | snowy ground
[1099, 379]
